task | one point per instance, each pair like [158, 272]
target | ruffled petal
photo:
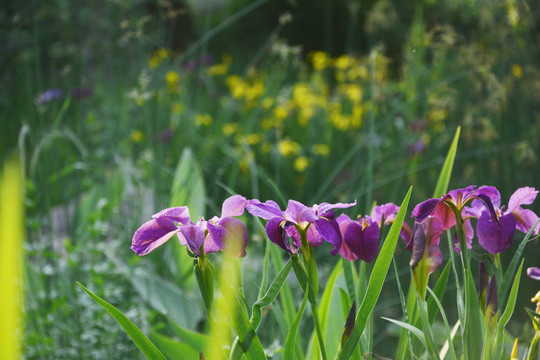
[364, 243]
[533, 273]
[194, 235]
[425, 208]
[495, 235]
[525, 220]
[522, 196]
[230, 235]
[168, 217]
[386, 212]
[233, 206]
[266, 210]
[277, 234]
[149, 236]
[344, 221]
[299, 213]
[328, 229]
[489, 191]
[323, 208]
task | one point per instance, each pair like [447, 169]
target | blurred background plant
[323, 100]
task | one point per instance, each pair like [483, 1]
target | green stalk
[422, 307]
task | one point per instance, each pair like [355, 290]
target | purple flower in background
[533, 273]
[48, 96]
[82, 92]
[207, 59]
[361, 236]
[496, 227]
[219, 233]
[298, 217]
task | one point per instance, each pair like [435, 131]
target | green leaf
[325, 308]
[376, 280]
[166, 298]
[438, 290]
[291, 337]
[194, 339]
[414, 330]
[172, 348]
[445, 320]
[143, 343]
[473, 326]
[444, 177]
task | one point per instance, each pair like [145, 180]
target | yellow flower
[203, 119]
[280, 112]
[237, 86]
[517, 70]
[157, 58]
[321, 149]
[267, 103]
[253, 139]
[223, 67]
[301, 163]
[344, 62]
[287, 147]
[230, 128]
[137, 136]
[172, 78]
[319, 59]
[177, 108]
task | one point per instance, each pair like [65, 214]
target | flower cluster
[495, 225]
[353, 239]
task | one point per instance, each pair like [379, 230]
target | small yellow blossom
[177, 108]
[321, 149]
[172, 78]
[517, 70]
[203, 119]
[137, 136]
[223, 67]
[280, 112]
[230, 128]
[287, 147]
[267, 102]
[320, 60]
[437, 115]
[344, 62]
[253, 139]
[157, 58]
[301, 163]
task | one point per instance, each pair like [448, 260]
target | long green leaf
[446, 172]
[143, 343]
[376, 281]
[196, 340]
[414, 330]
[172, 348]
[445, 320]
[438, 290]
[291, 337]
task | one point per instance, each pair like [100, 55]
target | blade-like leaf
[143, 343]
[172, 348]
[194, 339]
[291, 337]
[446, 171]
[438, 290]
[445, 320]
[414, 330]
[376, 281]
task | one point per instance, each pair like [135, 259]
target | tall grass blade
[11, 260]
[288, 353]
[445, 320]
[143, 343]
[414, 330]
[376, 281]
[173, 349]
[446, 171]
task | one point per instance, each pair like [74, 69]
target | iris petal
[233, 206]
[364, 243]
[329, 231]
[277, 234]
[495, 235]
[149, 236]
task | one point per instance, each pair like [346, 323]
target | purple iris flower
[361, 236]
[445, 209]
[496, 226]
[48, 96]
[533, 273]
[298, 217]
[425, 243]
[219, 233]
